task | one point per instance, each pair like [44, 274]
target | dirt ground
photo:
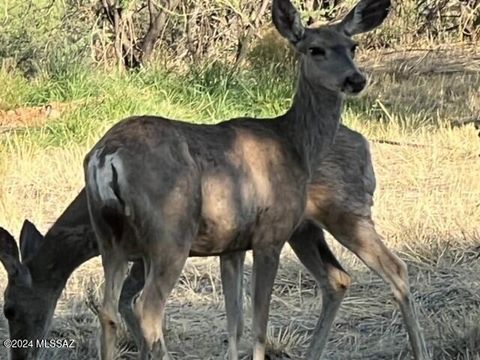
[368, 325]
[31, 116]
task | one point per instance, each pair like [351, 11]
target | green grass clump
[209, 95]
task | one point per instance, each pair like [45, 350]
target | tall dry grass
[427, 206]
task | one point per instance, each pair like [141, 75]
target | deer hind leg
[231, 267]
[115, 266]
[358, 234]
[163, 265]
[132, 285]
[308, 243]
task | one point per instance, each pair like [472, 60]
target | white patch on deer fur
[103, 177]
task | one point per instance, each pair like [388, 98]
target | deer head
[327, 52]
[27, 305]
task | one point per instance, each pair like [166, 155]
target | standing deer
[343, 184]
[159, 189]
[340, 197]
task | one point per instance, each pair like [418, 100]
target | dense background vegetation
[50, 36]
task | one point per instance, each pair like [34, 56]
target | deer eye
[317, 51]
[9, 312]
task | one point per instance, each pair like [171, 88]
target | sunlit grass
[427, 202]
[427, 185]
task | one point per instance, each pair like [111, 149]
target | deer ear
[366, 16]
[9, 253]
[9, 257]
[30, 240]
[287, 20]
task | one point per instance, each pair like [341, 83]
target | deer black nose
[354, 83]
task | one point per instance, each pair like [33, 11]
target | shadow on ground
[368, 326]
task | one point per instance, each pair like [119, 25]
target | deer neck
[312, 121]
[64, 250]
[68, 244]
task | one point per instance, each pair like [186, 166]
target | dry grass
[427, 206]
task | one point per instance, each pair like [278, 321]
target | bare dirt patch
[32, 116]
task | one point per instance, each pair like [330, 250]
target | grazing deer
[343, 184]
[36, 281]
[159, 189]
